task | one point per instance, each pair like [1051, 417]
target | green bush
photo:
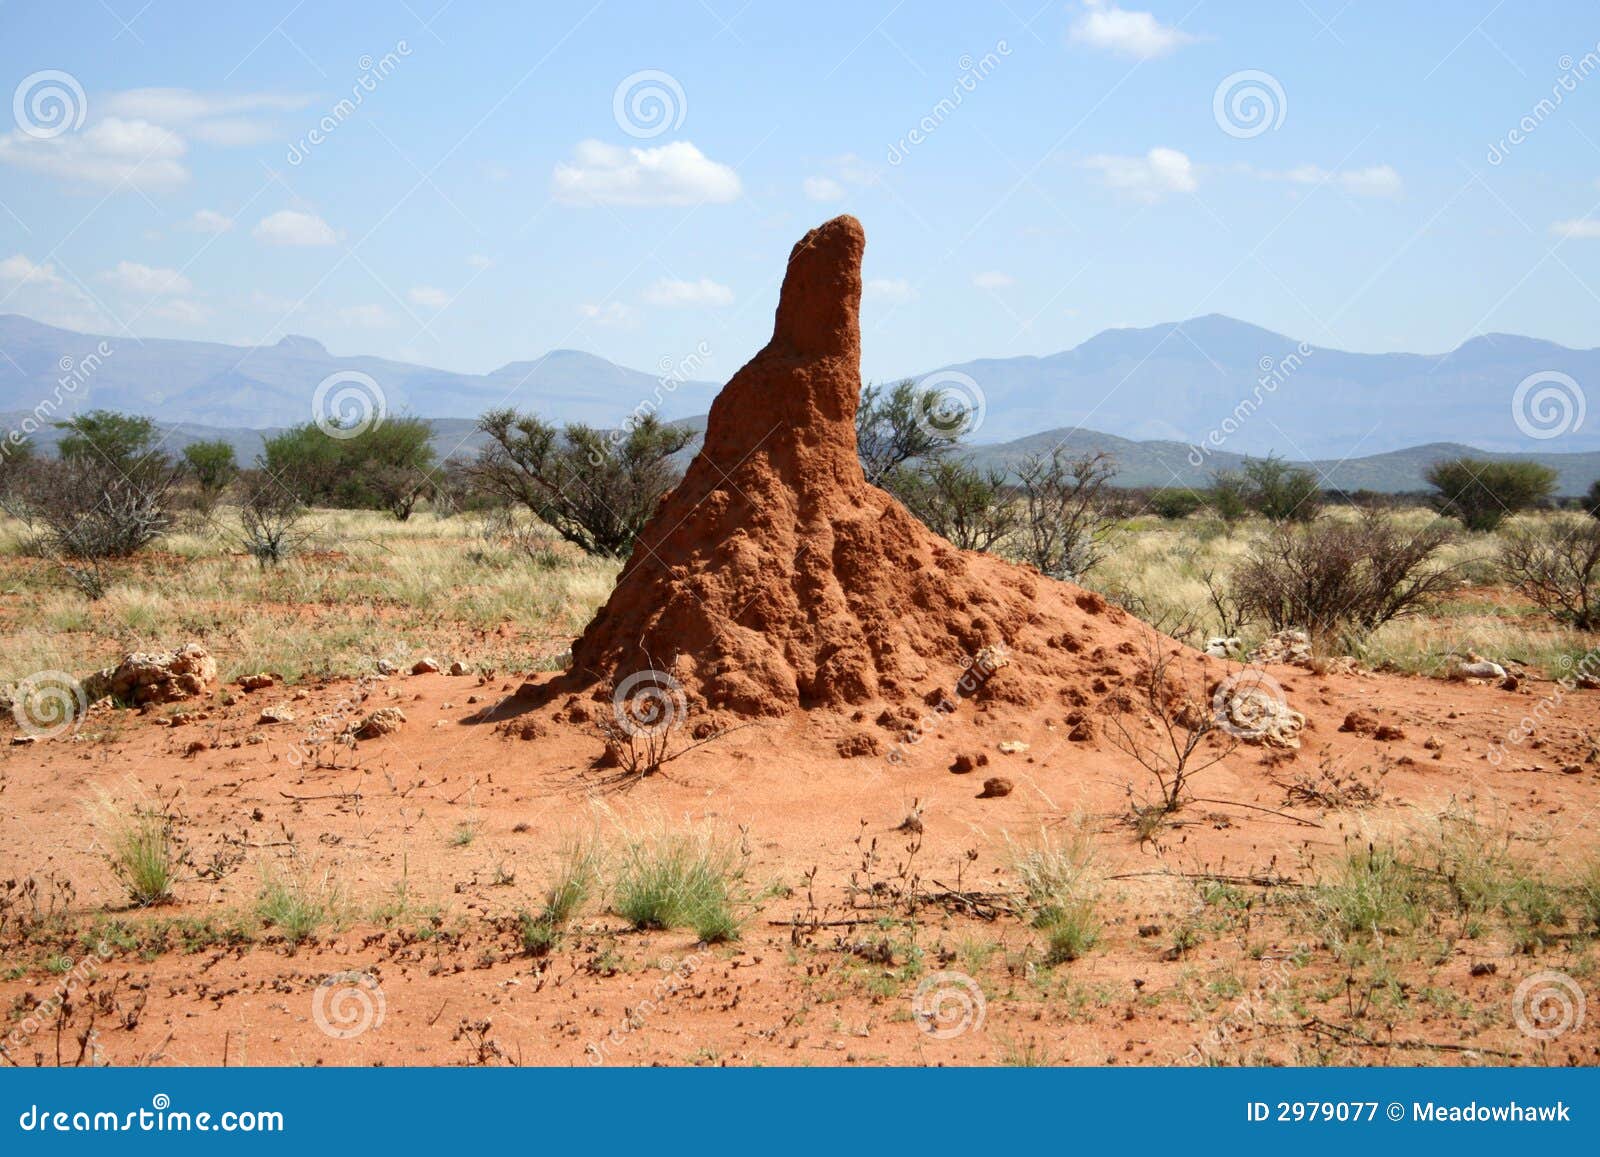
[1482, 494]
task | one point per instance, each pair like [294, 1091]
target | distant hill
[1157, 463]
[255, 387]
[1183, 380]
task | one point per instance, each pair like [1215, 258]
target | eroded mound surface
[776, 578]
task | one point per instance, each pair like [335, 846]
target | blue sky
[491, 196]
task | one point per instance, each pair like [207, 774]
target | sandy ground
[441, 978]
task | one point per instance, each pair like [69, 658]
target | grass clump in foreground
[297, 902]
[1062, 891]
[575, 882]
[140, 843]
[678, 880]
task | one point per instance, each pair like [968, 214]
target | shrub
[141, 846]
[596, 489]
[577, 875]
[1556, 564]
[1229, 495]
[271, 519]
[1175, 504]
[126, 443]
[1339, 576]
[970, 507]
[675, 879]
[1591, 501]
[92, 510]
[387, 466]
[903, 425]
[1482, 494]
[1060, 889]
[1064, 527]
[1281, 492]
[1373, 892]
[212, 466]
[297, 902]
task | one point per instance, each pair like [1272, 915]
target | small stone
[384, 667]
[1012, 747]
[23, 740]
[963, 764]
[383, 721]
[425, 666]
[1388, 732]
[256, 682]
[460, 668]
[278, 714]
[994, 787]
[1359, 723]
[857, 744]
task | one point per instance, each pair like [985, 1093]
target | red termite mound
[776, 578]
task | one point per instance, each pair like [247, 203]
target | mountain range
[1150, 396]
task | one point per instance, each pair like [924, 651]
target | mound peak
[776, 578]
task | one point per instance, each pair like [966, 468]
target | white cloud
[1577, 229]
[993, 279]
[673, 174]
[428, 297]
[18, 269]
[209, 221]
[131, 277]
[611, 313]
[823, 189]
[185, 105]
[893, 290]
[702, 292]
[112, 151]
[1146, 178]
[216, 118]
[1372, 181]
[291, 227]
[1133, 34]
[366, 316]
